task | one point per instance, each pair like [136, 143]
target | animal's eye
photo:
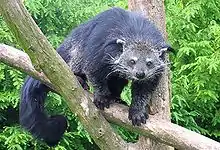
[132, 62]
[149, 63]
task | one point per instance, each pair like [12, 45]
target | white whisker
[111, 73]
[110, 56]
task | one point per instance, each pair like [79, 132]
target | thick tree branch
[45, 58]
[157, 129]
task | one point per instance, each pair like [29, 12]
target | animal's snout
[140, 75]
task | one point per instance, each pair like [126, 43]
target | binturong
[109, 50]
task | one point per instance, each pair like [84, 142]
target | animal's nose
[140, 75]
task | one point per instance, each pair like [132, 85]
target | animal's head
[140, 60]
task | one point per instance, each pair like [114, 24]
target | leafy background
[193, 28]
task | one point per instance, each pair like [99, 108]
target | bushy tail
[32, 116]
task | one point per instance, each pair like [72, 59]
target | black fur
[93, 52]
[32, 115]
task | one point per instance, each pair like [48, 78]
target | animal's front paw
[138, 116]
[102, 101]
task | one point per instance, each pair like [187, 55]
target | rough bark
[45, 59]
[160, 130]
[160, 100]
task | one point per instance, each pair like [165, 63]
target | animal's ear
[164, 49]
[170, 49]
[121, 44]
[120, 41]
[167, 48]
[114, 42]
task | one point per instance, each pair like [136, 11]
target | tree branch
[159, 130]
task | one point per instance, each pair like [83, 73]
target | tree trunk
[160, 100]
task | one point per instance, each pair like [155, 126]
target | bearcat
[109, 50]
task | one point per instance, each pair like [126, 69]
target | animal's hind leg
[82, 80]
[116, 85]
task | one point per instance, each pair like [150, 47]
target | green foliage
[14, 138]
[194, 30]
[126, 94]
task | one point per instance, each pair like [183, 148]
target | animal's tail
[32, 116]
